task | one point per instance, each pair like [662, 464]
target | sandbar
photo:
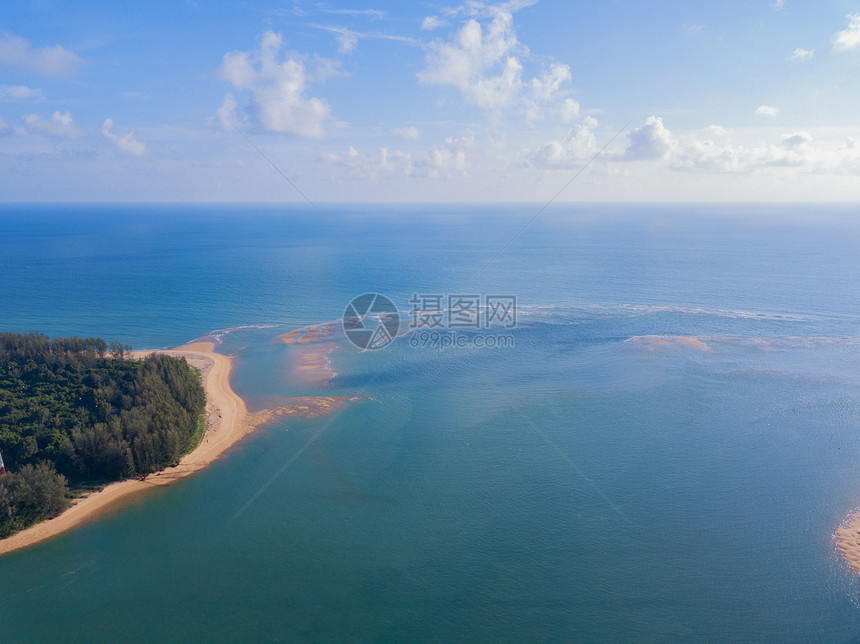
[848, 541]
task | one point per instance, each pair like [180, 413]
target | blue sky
[729, 101]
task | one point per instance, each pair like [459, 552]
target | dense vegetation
[77, 411]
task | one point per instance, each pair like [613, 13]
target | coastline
[228, 421]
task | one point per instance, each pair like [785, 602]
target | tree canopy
[77, 411]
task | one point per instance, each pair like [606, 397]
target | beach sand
[848, 541]
[228, 422]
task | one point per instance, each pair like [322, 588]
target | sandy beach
[228, 422]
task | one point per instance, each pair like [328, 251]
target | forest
[82, 412]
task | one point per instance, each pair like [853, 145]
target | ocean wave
[635, 310]
[217, 335]
[704, 342]
[782, 341]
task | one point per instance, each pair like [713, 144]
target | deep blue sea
[661, 451]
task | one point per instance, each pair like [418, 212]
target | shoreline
[228, 422]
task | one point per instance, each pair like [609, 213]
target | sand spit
[228, 422]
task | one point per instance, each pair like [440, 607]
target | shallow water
[602, 479]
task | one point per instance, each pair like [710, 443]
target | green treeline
[77, 411]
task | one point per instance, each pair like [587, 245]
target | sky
[192, 100]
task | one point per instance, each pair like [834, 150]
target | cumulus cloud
[483, 62]
[372, 166]
[569, 110]
[277, 88]
[651, 141]
[20, 93]
[849, 37]
[713, 149]
[480, 63]
[579, 144]
[801, 55]
[127, 144]
[795, 150]
[547, 86]
[449, 159]
[409, 133]
[766, 111]
[16, 51]
[5, 128]
[61, 125]
[707, 155]
[227, 112]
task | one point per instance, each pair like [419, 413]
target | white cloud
[651, 141]
[482, 61]
[127, 145]
[277, 88]
[432, 22]
[20, 93]
[347, 39]
[449, 159]
[5, 128]
[849, 37]
[801, 55]
[372, 167]
[477, 9]
[766, 111]
[479, 63]
[344, 158]
[713, 151]
[546, 87]
[707, 155]
[569, 110]
[60, 125]
[579, 144]
[778, 5]
[373, 14]
[16, 51]
[226, 112]
[409, 133]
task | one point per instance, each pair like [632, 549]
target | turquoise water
[587, 483]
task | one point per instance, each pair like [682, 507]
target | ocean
[658, 447]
